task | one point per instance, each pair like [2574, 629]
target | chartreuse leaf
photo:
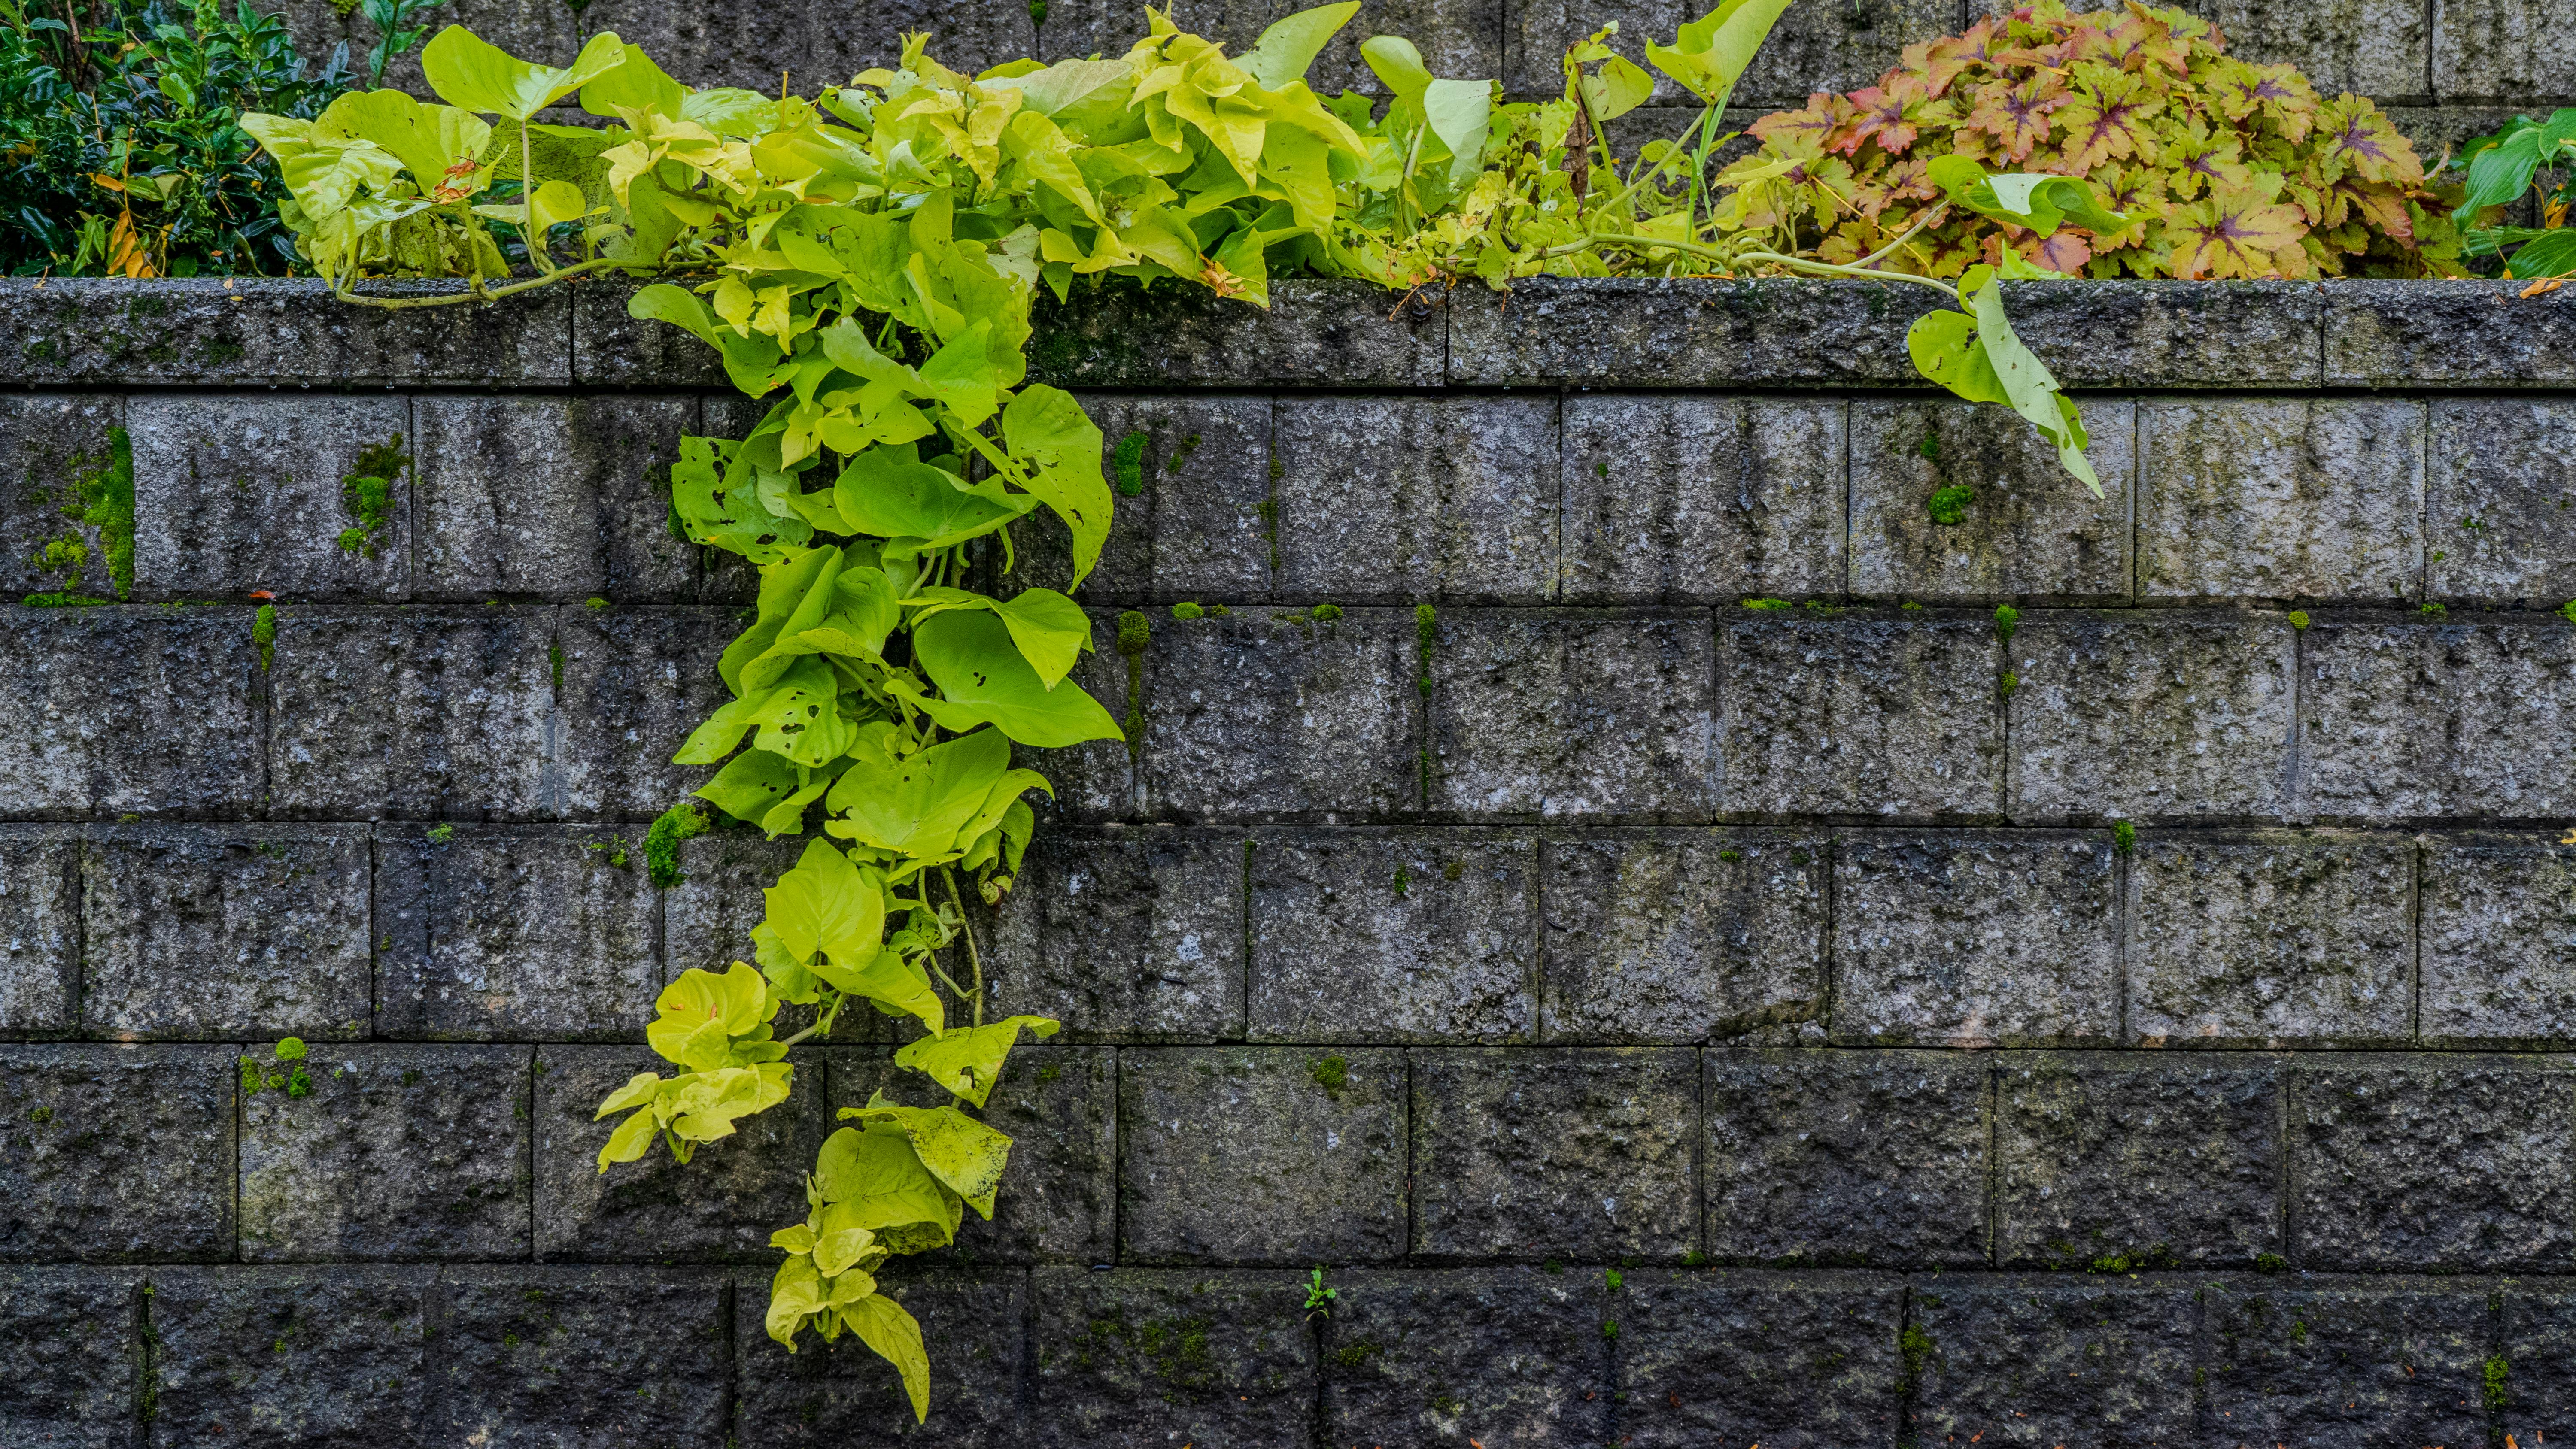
[914, 805]
[479, 76]
[2040, 202]
[1976, 355]
[875, 1174]
[1712, 52]
[895, 1335]
[1620, 86]
[827, 906]
[1046, 428]
[439, 145]
[960, 1151]
[968, 1061]
[1457, 112]
[1051, 630]
[1287, 49]
[982, 679]
[324, 171]
[1397, 64]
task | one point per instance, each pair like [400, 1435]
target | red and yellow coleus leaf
[2237, 232]
[2016, 113]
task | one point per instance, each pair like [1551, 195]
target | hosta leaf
[1397, 64]
[1457, 112]
[2552, 255]
[968, 1060]
[983, 680]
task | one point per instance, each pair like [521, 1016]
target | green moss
[1447, 1405]
[1127, 464]
[555, 658]
[1188, 611]
[1609, 1329]
[2124, 836]
[1730, 855]
[1180, 455]
[662, 843]
[2159, 1256]
[1911, 607]
[1050, 1072]
[1403, 881]
[2567, 611]
[1135, 630]
[1332, 1074]
[1915, 1348]
[1037, 12]
[103, 499]
[610, 848]
[367, 493]
[1611, 1277]
[1930, 448]
[1694, 1259]
[596, 606]
[263, 632]
[1766, 603]
[1453, 870]
[1949, 506]
[2271, 1263]
[2009, 683]
[41, 1116]
[1356, 1355]
[2497, 1368]
[1551, 1266]
[2433, 611]
[1326, 613]
[2007, 619]
[63, 600]
[2299, 619]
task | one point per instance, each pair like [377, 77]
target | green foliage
[1127, 465]
[2299, 620]
[2496, 1370]
[2007, 619]
[282, 1072]
[1186, 611]
[394, 34]
[263, 635]
[441, 833]
[1327, 613]
[2124, 837]
[2271, 1263]
[662, 843]
[2497, 170]
[366, 494]
[1319, 1299]
[1949, 506]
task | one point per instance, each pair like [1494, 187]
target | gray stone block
[581, 1358]
[40, 941]
[2121, 1161]
[1387, 499]
[1315, 333]
[1893, 717]
[707, 919]
[514, 933]
[2406, 716]
[552, 498]
[1274, 714]
[2498, 943]
[2376, 48]
[2500, 507]
[1770, 1358]
[1976, 939]
[116, 1154]
[1813, 48]
[2432, 1164]
[52, 447]
[1684, 936]
[2504, 51]
[333, 1357]
[2531, 1329]
[2350, 1361]
[1847, 1158]
[828, 1396]
[71, 1340]
[1201, 525]
[1261, 1155]
[1428, 936]
[2173, 715]
[1499, 1355]
[1699, 498]
[721, 1207]
[2253, 498]
[1098, 780]
[247, 931]
[2054, 1359]
[396, 1154]
[1600, 715]
[1130, 1359]
[388, 714]
[633, 683]
[2026, 531]
[235, 491]
[1522, 1153]
[545, 33]
[2272, 939]
[1134, 936]
[2186, 336]
[133, 711]
[2460, 333]
[610, 348]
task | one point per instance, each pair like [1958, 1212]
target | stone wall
[1671, 1020]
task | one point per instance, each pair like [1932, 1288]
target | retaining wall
[1780, 960]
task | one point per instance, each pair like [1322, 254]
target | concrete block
[1897, 717]
[2432, 1164]
[707, 919]
[613, 349]
[1641, 332]
[1513, 1356]
[70, 1334]
[2501, 51]
[2025, 531]
[1261, 1155]
[245, 931]
[329, 1356]
[2500, 504]
[1818, 48]
[1134, 936]
[1201, 524]
[1126, 1359]
[634, 683]
[1684, 936]
[834, 1395]
[2042, 1360]
[1697, 498]
[234, 492]
[116, 1154]
[1713, 1357]
[1336, 333]
[582, 1358]
[546, 34]
[1847, 1159]
[2352, 1360]
[40, 941]
[1273, 714]
[1365, 936]
[2408, 716]
[2498, 942]
[1456, 37]
[131, 711]
[1973, 939]
[2475, 334]
[1522, 1153]
[2534, 1320]
[2291, 499]
[1389, 499]
[2367, 47]
[1598, 715]
[53, 447]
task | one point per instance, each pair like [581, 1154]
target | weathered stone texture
[1701, 499]
[2025, 532]
[1526, 1153]
[2502, 51]
[1202, 523]
[2408, 717]
[1383, 500]
[2498, 943]
[2376, 48]
[2055, 1359]
[630, 685]
[235, 492]
[1315, 333]
[2348, 1361]
[70, 1334]
[1125, 1360]
[838, 1395]
[131, 711]
[54, 448]
[2295, 499]
[580, 1358]
[335, 1357]
[116, 1154]
[2459, 334]
[2457, 1164]
[2500, 504]
[1769, 1358]
[1513, 1356]
[40, 940]
[1893, 717]
[1134, 936]
[1414, 937]
[1275, 714]
[1599, 715]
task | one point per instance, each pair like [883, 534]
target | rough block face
[1698, 499]
[2459, 1164]
[2406, 718]
[130, 711]
[2272, 939]
[1844, 1158]
[1570, 714]
[1201, 523]
[2500, 52]
[1271, 714]
[330, 1356]
[1098, 780]
[1500, 1355]
[2536, 1320]
[1820, 48]
[2499, 943]
[1983, 938]
[2024, 531]
[415, 713]
[1126, 1359]
[70, 1337]
[2500, 505]
[1897, 718]
[2125, 1161]
[1262, 1154]
[1383, 500]
[634, 683]
[242, 931]
[1768, 1358]
[514, 933]
[51, 449]
[40, 940]
[830, 1396]
[2257, 499]
[398, 1154]
[581, 1358]
[551, 497]
[237, 492]
[1427, 936]
[2402, 1360]
[1533, 1153]
[116, 1154]
[2165, 716]
[1134, 936]
[708, 917]
[2055, 1359]
[2377, 48]
[1684, 936]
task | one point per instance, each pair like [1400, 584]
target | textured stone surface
[193, 931]
[2459, 334]
[1769, 1358]
[40, 940]
[2501, 50]
[396, 1153]
[632, 684]
[1274, 714]
[1314, 334]
[2404, 716]
[2175, 715]
[1684, 936]
[2348, 1361]
[1428, 936]
[2272, 939]
[1644, 333]
[1202, 522]
[2540, 1380]
[1847, 1158]
[1135, 936]
[1537, 1152]
[116, 1154]
[2054, 1359]
[580, 1358]
[1599, 715]
[1262, 1155]
[2027, 532]
[1139, 1357]
[1383, 500]
[834, 1395]
[708, 917]
[2500, 502]
[2461, 1164]
[1513, 1356]
[613, 349]
[2376, 48]
[2119, 1161]
[2250, 498]
[234, 492]
[334, 1356]
[552, 498]
[1977, 938]
[70, 1336]
[1696, 498]
[514, 933]
[1893, 717]
[51, 445]
[2498, 947]
[129, 711]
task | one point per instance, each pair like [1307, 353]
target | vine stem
[968, 927]
[478, 294]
